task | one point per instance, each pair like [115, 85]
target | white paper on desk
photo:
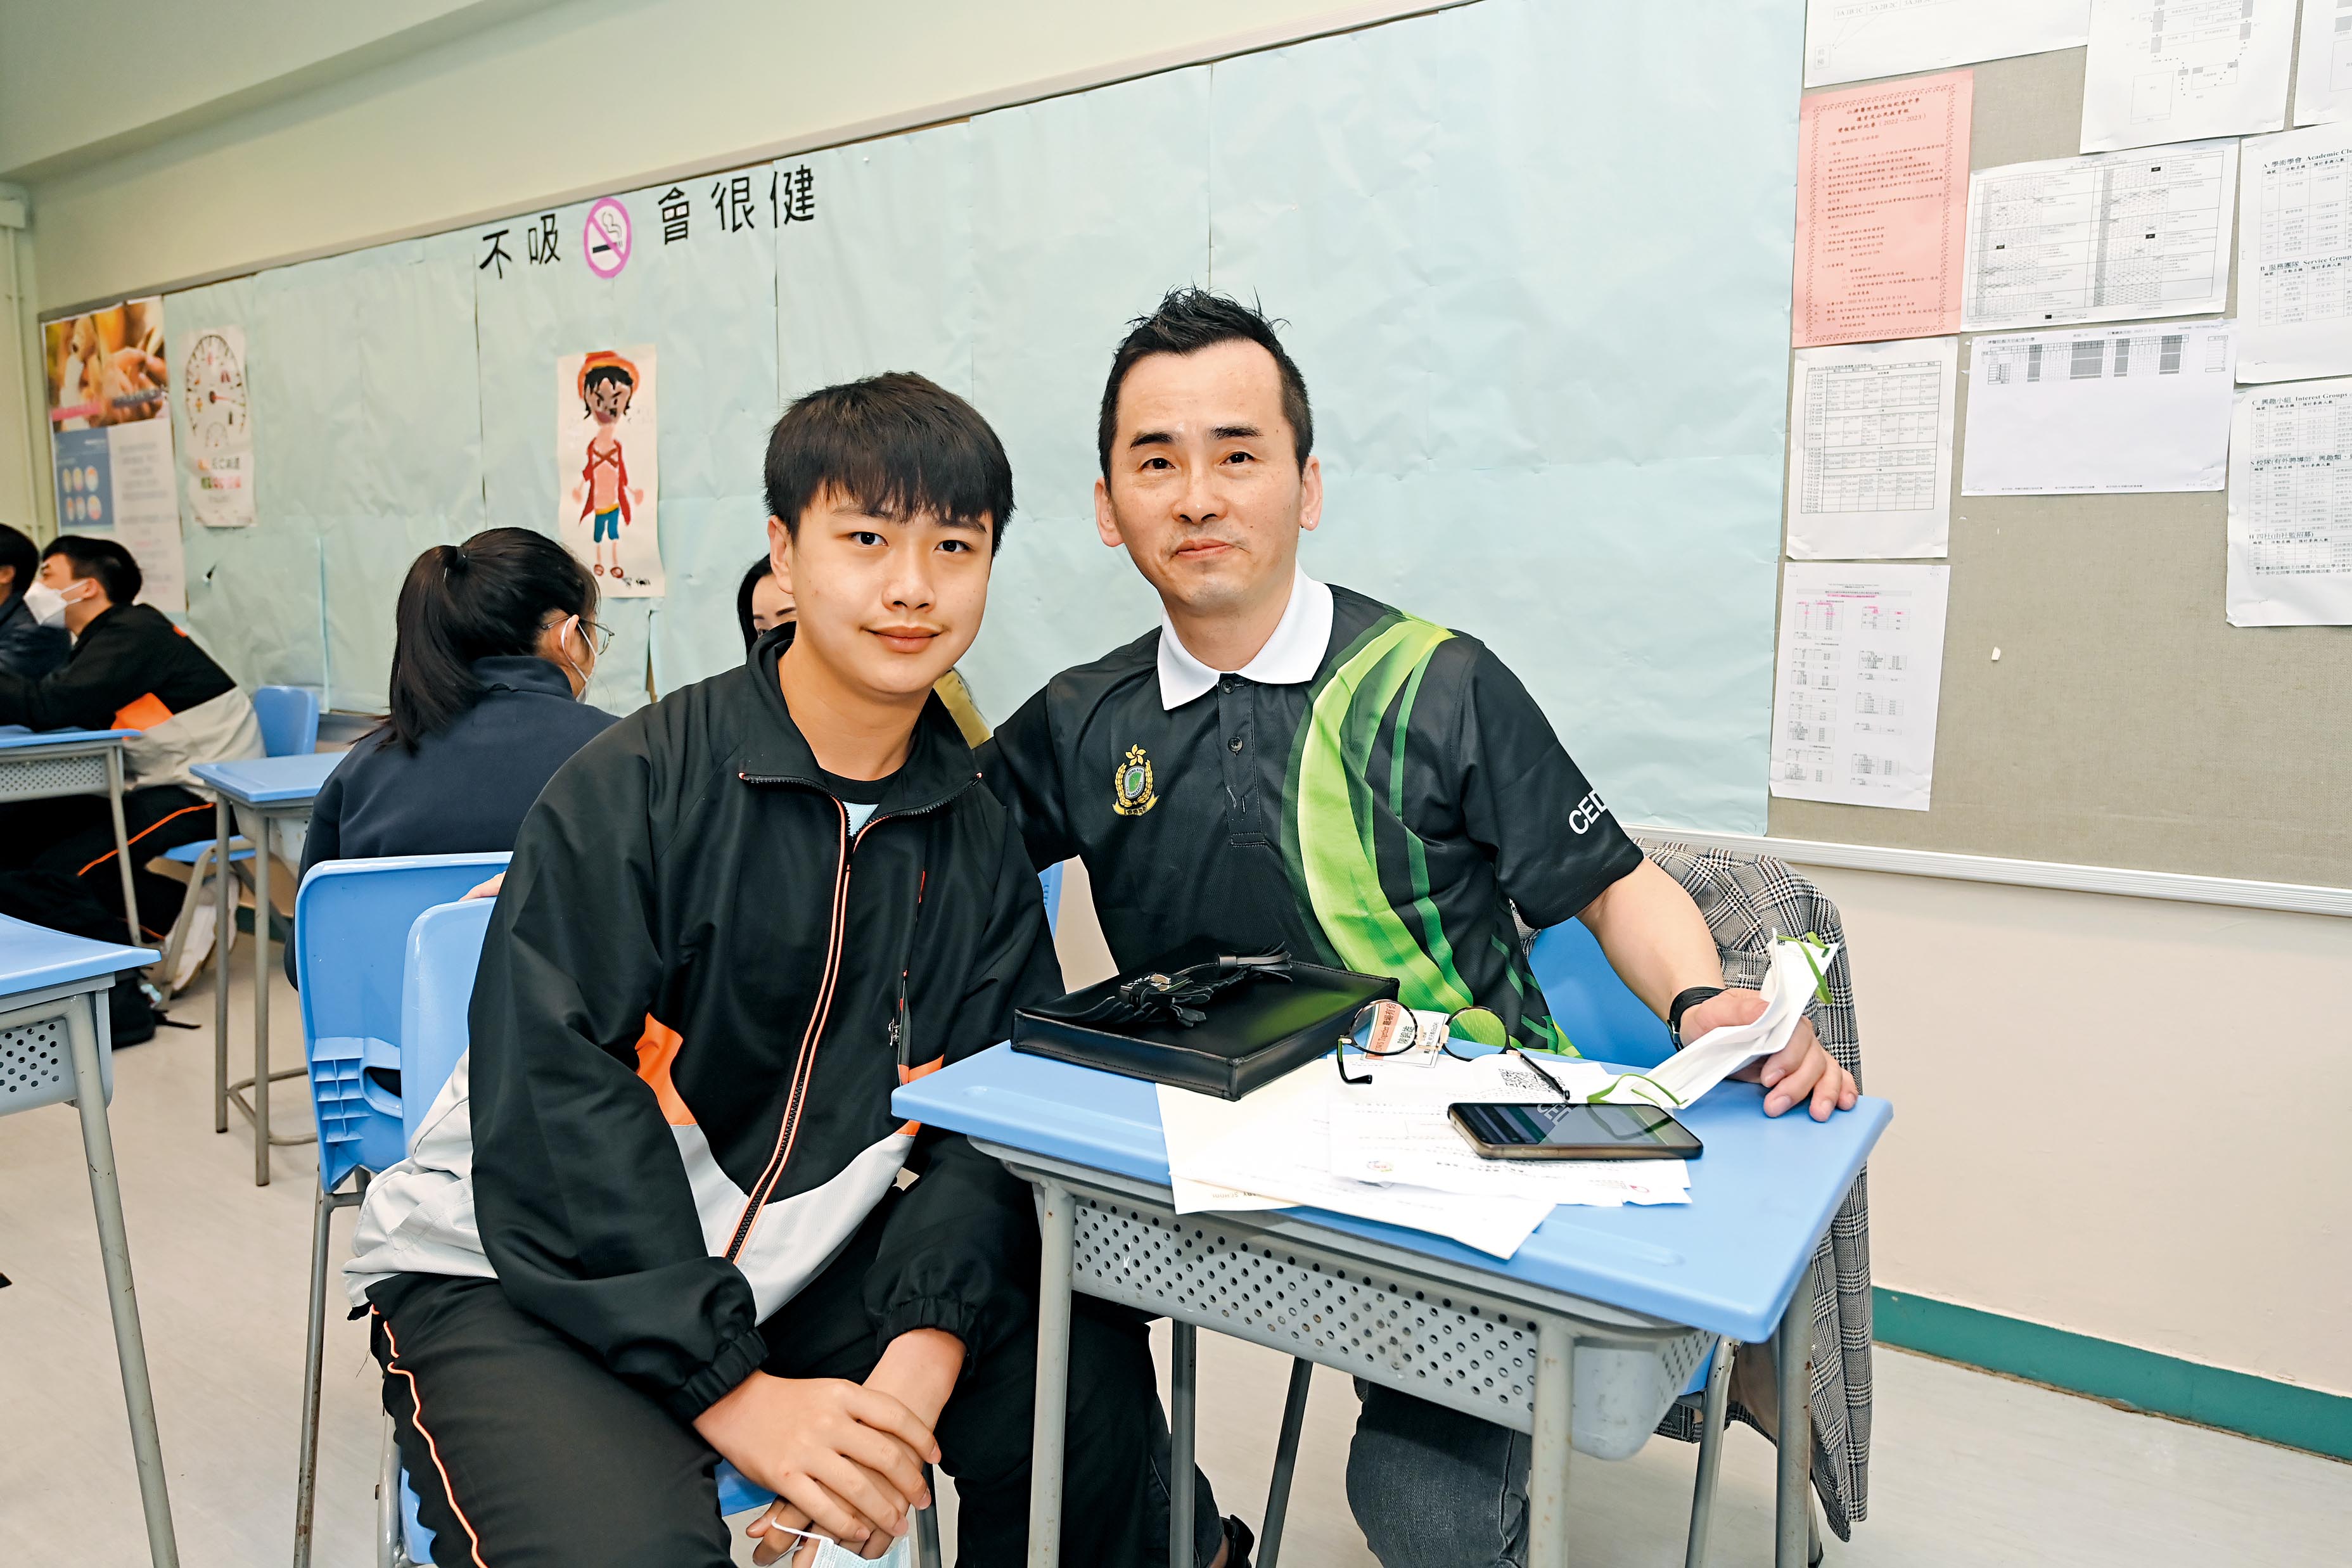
[2290, 556]
[1276, 1143]
[2116, 236]
[1855, 40]
[1416, 1142]
[2101, 411]
[1857, 679]
[1720, 1053]
[2323, 67]
[2294, 256]
[2177, 70]
[1870, 449]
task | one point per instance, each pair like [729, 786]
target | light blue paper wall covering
[1534, 259]
[708, 304]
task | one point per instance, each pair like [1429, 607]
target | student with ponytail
[495, 640]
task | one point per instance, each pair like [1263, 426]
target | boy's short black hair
[896, 444]
[1191, 320]
[116, 571]
[17, 551]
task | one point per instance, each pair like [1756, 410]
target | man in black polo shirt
[1283, 761]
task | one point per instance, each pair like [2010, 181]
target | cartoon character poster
[608, 477]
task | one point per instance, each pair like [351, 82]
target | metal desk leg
[123, 843]
[1056, 1222]
[1792, 1350]
[224, 926]
[1548, 1461]
[1184, 1384]
[262, 1003]
[83, 1022]
[1285, 1461]
[1717, 1399]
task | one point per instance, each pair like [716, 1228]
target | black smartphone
[1574, 1133]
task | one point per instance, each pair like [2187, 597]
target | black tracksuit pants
[525, 1450]
[73, 835]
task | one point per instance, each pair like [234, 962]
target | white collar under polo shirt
[1290, 657]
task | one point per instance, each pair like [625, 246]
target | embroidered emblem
[1131, 793]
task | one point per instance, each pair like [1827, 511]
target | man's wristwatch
[1684, 1001]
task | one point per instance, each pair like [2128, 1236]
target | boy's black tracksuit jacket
[697, 992]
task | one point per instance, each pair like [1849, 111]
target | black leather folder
[1251, 1036]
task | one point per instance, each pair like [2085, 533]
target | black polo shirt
[1382, 816]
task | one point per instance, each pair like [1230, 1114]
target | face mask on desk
[48, 605]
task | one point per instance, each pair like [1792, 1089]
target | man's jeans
[1433, 1489]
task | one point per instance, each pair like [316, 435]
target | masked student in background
[657, 1216]
[1189, 768]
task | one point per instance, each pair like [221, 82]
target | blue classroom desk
[268, 790]
[42, 764]
[55, 1047]
[1334, 1289]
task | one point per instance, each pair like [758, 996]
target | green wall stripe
[2260, 1408]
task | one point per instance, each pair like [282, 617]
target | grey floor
[1969, 1469]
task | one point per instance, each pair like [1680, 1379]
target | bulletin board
[2125, 723]
[1534, 261]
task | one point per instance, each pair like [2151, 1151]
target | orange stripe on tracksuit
[416, 1419]
[141, 834]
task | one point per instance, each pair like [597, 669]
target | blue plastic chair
[1049, 881]
[351, 938]
[288, 717]
[443, 952]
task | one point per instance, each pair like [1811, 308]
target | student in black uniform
[658, 1215]
[129, 669]
[493, 643]
[1286, 762]
[33, 640]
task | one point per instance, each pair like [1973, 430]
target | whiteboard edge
[2182, 887]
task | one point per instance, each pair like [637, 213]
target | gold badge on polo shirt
[1131, 793]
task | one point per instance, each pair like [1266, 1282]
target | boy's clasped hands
[845, 1459]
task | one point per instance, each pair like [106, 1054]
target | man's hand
[920, 1370]
[1799, 1069]
[848, 1457]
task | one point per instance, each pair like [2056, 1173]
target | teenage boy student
[656, 1215]
[1282, 761]
[129, 669]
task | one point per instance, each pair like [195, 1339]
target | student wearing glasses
[495, 641]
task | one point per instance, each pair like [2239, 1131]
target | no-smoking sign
[604, 239]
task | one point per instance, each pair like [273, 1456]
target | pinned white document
[2323, 68]
[1870, 449]
[2294, 256]
[2114, 238]
[2103, 411]
[1854, 40]
[1860, 669]
[2178, 70]
[2291, 506]
[1798, 968]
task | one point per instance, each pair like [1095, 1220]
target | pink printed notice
[1882, 194]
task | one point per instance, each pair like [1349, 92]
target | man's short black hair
[1191, 320]
[17, 551]
[118, 573]
[895, 445]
